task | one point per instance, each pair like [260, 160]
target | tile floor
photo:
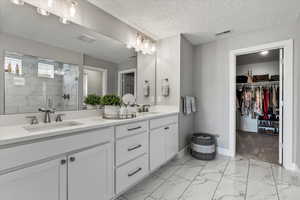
[222, 179]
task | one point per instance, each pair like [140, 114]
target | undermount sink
[57, 125]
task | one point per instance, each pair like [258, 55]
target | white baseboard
[225, 152]
[182, 152]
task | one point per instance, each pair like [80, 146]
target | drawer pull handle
[167, 128]
[135, 128]
[135, 147]
[136, 171]
[72, 159]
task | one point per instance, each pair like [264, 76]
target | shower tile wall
[40, 92]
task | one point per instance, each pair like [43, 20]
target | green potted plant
[111, 104]
[92, 101]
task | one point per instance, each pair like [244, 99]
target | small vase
[111, 110]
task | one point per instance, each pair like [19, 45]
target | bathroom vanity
[97, 158]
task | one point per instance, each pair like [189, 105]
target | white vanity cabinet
[90, 174]
[132, 158]
[45, 181]
[84, 171]
[163, 140]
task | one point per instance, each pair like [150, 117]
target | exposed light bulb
[153, 48]
[42, 12]
[73, 8]
[50, 3]
[146, 44]
[64, 20]
[17, 2]
[264, 53]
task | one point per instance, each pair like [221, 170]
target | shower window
[32, 82]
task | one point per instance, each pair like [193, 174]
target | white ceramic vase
[111, 110]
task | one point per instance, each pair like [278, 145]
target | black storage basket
[203, 146]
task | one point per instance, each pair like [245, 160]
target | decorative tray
[118, 117]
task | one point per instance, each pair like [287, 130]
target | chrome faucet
[47, 118]
[144, 108]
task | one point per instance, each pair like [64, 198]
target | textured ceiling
[201, 19]
[23, 21]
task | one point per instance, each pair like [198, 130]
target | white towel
[188, 105]
[193, 102]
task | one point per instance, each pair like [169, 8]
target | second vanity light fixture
[142, 44]
[68, 13]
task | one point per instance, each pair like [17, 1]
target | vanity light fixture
[18, 2]
[264, 53]
[143, 44]
[42, 12]
[64, 20]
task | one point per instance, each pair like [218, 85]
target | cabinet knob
[63, 161]
[72, 159]
[167, 128]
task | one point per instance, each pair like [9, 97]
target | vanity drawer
[156, 123]
[18, 155]
[131, 147]
[130, 129]
[131, 173]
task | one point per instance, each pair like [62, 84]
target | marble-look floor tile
[260, 171]
[201, 188]
[172, 189]
[230, 189]
[189, 172]
[257, 190]
[288, 191]
[167, 171]
[144, 189]
[237, 169]
[285, 176]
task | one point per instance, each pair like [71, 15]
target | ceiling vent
[223, 33]
[86, 38]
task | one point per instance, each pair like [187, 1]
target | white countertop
[16, 134]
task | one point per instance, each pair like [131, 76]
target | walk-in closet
[258, 94]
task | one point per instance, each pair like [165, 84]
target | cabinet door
[157, 148]
[46, 181]
[171, 139]
[90, 174]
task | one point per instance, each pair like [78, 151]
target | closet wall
[247, 123]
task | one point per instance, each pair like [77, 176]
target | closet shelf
[265, 83]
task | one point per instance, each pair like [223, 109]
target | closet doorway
[286, 106]
[258, 111]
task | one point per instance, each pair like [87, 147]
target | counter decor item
[111, 105]
[92, 101]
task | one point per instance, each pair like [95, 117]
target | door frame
[104, 80]
[288, 117]
[120, 81]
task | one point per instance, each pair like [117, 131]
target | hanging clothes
[266, 104]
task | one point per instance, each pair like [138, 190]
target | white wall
[146, 71]
[168, 66]
[211, 77]
[186, 122]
